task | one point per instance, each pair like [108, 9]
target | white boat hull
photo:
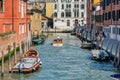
[27, 65]
[57, 45]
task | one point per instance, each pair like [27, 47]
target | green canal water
[69, 62]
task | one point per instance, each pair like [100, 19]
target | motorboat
[100, 55]
[86, 45]
[29, 63]
[57, 42]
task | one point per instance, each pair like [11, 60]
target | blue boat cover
[115, 76]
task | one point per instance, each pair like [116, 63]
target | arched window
[55, 14]
[62, 6]
[68, 22]
[55, 6]
[62, 14]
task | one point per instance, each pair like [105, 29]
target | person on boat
[58, 37]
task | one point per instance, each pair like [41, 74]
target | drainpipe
[12, 15]
[116, 18]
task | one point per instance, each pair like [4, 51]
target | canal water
[69, 62]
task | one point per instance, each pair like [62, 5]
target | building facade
[89, 14]
[66, 11]
[35, 12]
[13, 17]
[49, 9]
[111, 18]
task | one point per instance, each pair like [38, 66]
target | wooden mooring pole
[118, 62]
[9, 59]
[23, 49]
[20, 50]
[2, 73]
[115, 57]
[15, 56]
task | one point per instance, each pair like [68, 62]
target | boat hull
[57, 45]
[98, 56]
[29, 63]
[27, 70]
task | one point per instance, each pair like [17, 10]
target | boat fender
[40, 62]
[33, 69]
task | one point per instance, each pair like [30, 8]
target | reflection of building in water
[66, 11]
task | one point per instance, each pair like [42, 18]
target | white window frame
[22, 28]
[22, 9]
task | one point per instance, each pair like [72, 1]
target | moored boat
[37, 40]
[43, 36]
[29, 63]
[100, 55]
[86, 45]
[115, 76]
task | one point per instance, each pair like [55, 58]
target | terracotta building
[106, 14]
[111, 18]
[13, 18]
[89, 13]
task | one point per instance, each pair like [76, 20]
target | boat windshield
[29, 60]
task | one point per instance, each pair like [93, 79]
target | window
[69, 5]
[113, 15]
[55, 6]
[68, 0]
[55, 0]
[105, 16]
[77, 5]
[23, 28]
[115, 2]
[62, 14]
[76, 0]
[114, 30]
[1, 5]
[76, 13]
[68, 22]
[119, 14]
[55, 14]
[82, 14]
[109, 15]
[22, 9]
[68, 13]
[62, 6]
[82, 6]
